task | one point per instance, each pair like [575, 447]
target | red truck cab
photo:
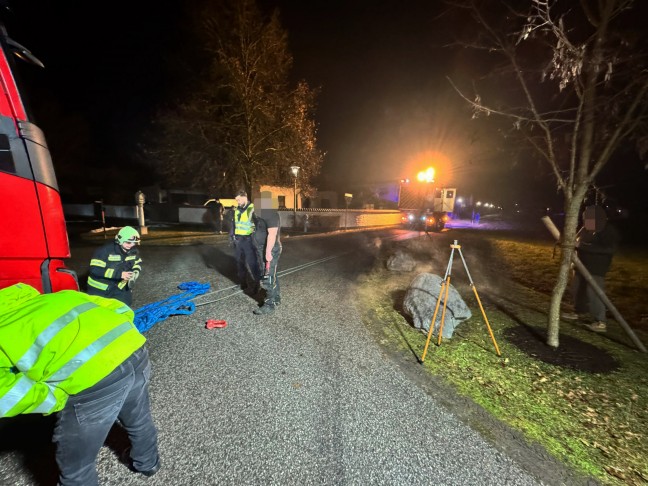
[33, 235]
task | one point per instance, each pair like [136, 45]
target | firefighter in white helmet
[115, 267]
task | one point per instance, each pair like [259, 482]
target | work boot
[597, 326]
[266, 308]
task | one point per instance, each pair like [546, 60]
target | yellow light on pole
[426, 176]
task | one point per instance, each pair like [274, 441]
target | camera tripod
[445, 287]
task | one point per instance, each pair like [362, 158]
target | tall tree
[577, 81]
[243, 124]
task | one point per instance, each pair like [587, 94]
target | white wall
[328, 218]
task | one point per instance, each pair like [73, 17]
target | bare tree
[243, 124]
[576, 82]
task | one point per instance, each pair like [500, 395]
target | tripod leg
[431, 330]
[445, 306]
[490, 331]
[445, 285]
[481, 307]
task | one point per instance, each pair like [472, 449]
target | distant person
[81, 357]
[241, 235]
[115, 267]
[476, 218]
[596, 244]
[268, 243]
[215, 210]
[219, 217]
[228, 219]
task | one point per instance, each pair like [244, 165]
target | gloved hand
[131, 282]
[232, 241]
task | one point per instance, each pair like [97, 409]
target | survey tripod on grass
[443, 294]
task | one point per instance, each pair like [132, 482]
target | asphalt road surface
[304, 396]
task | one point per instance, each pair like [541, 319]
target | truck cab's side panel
[33, 235]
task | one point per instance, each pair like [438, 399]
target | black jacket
[596, 248]
[106, 267]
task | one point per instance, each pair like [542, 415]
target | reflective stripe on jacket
[56, 345]
[243, 225]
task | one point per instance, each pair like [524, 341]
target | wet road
[303, 396]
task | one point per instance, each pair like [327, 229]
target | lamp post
[295, 172]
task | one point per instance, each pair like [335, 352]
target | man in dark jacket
[268, 244]
[597, 241]
[115, 267]
[216, 212]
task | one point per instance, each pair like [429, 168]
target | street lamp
[294, 169]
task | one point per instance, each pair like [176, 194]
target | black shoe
[153, 470]
[126, 459]
[266, 308]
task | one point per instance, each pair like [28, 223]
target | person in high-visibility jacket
[81, 357]
[115, 267]
[245, 250]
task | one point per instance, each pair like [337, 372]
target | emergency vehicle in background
[425, 207]
[33, 239]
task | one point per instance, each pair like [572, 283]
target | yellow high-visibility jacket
[243, 224]
[56, 345]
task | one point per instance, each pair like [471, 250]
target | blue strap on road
[149, 315]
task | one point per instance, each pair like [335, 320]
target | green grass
[595, 422]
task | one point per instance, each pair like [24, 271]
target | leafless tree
[243, 124]
[576, 79]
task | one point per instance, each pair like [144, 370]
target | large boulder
[401, 262]
[421, 299]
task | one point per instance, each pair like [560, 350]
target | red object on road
[215, 324]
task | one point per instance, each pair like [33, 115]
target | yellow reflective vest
[56, 345]
[243, 224]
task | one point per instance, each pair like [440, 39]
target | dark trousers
[246, 259]
[585, 299]
[124, 295]
[85, 421]
[272, 290]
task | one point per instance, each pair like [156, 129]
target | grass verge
[595, 422]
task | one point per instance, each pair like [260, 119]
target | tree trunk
[567, 243]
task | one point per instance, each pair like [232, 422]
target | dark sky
[386, 108]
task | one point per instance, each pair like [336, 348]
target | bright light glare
[426, 175]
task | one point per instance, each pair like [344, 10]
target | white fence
[306, 219]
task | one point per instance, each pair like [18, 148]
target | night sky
[386, 109]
